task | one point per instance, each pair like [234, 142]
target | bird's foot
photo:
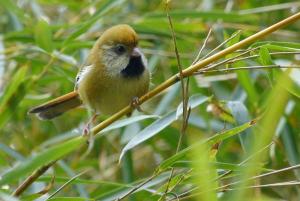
[135, 103]
[86, 129]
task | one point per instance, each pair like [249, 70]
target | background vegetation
[240, 135]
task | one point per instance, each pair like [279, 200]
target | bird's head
[116, 50]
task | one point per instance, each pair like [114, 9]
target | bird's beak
[136, 52]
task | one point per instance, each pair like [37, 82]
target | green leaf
[116, 193]
[264, 56]
[13, 94]
[11, 152]
[247, 83]
[11, 6]
[40, 159]
[294, 87]
[218, 137]
[31, 197]
[43, 36]
[244, 77]
[265, 131]
[167, 99]
[80, 181]
[70, 199]
[279, 46]
[241, 115]
[128, 121]
[160, 124]
[193, 102]
[16, 81]
[149, 132]
[86, 25]
[233, 40]
[206, 15]
[7, 197]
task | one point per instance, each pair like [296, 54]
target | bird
[114, 75]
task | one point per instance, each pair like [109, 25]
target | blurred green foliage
[243, 123]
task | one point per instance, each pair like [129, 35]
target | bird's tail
[58, 106]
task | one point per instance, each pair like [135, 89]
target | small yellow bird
[114, 75]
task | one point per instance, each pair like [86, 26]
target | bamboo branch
[193, 68]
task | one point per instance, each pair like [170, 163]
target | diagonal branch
[193, 68]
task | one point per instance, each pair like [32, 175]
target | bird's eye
[120, 49]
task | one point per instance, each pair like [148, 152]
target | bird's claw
[86, 129]
[135, 103]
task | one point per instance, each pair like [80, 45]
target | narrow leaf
[160, 124]
[13, 94]
[264, 56]
[210, 15]
[42, 158]
[241, 115]
[218, 137]
[128, 121]
[43, 36]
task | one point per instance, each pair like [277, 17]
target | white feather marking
[114, 63]
[144, 59]
[82, 73]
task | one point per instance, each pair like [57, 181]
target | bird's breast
[107, 95]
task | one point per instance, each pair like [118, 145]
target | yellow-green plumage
[103, 92]
[101, 84]
[108, 95]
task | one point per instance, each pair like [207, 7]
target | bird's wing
[81, 74]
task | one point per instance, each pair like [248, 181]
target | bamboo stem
[193, 68]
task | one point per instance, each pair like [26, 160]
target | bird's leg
[86, 128]
[135, 103]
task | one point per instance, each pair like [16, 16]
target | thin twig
[202, 47]
[262, 175]
[221, 44]
[184, 91]
[29, 180]
[175, 195]
[66, 184]
[226, 60]
[255, 56]
[239, 58]
[279, 184]
[137, 187]
[244, 161]
[244, 68]
[186, 195]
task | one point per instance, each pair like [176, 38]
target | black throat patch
[134, 68]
